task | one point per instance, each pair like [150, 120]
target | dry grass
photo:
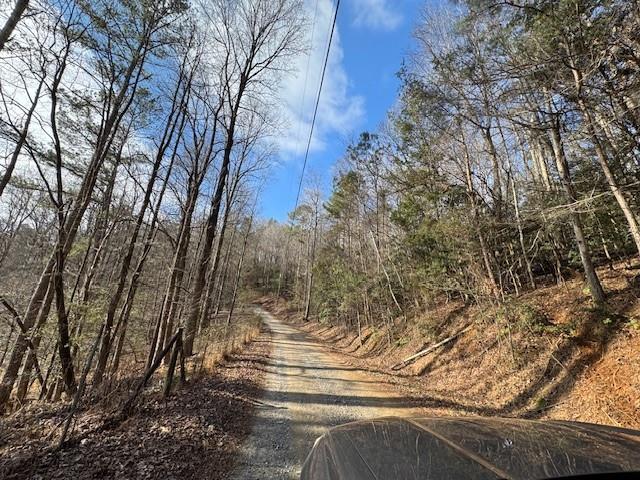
[220, 340]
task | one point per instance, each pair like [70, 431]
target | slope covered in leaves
[193, 434]
[545, 354]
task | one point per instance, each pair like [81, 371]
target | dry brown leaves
[593, 377]
[194, 434]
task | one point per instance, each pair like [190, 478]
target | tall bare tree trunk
[25, 375]
[73, 219]
[236, 282]
[173, 293]
[166, 140]
[151, 234]
[496, 189]
[614, 186]
[224, 274]
[211, 284]
[495, 291]
[11, 22]
[196, 300]
[310, 266]
[595, 287]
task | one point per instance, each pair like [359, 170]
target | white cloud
[376, 14]
[340, 111]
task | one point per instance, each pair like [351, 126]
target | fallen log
[424, 352]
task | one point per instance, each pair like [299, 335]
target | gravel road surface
[307, 390]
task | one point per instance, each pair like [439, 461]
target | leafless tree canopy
[134, 137]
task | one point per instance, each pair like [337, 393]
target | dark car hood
[470, 448]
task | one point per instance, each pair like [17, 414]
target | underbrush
[221, 340]
[101, 405]
[194, 433]
[547, 353]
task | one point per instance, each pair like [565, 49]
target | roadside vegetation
[502, 192]
[133, 140]
[481, 248]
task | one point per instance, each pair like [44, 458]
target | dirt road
[307, 391]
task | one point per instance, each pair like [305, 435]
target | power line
[315, 110]
[306, 154]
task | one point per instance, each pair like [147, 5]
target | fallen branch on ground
[422, 353]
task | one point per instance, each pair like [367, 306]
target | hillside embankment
[544, 354]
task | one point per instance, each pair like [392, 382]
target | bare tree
[11, 22]
[255, 37]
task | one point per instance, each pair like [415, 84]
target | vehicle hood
[470, 448]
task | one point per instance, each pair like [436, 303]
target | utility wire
[306, 154]
[306, 77]
[315, 110]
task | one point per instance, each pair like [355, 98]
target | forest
[136, 137]
[510, 162]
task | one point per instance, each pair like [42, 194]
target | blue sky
[371, 40]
